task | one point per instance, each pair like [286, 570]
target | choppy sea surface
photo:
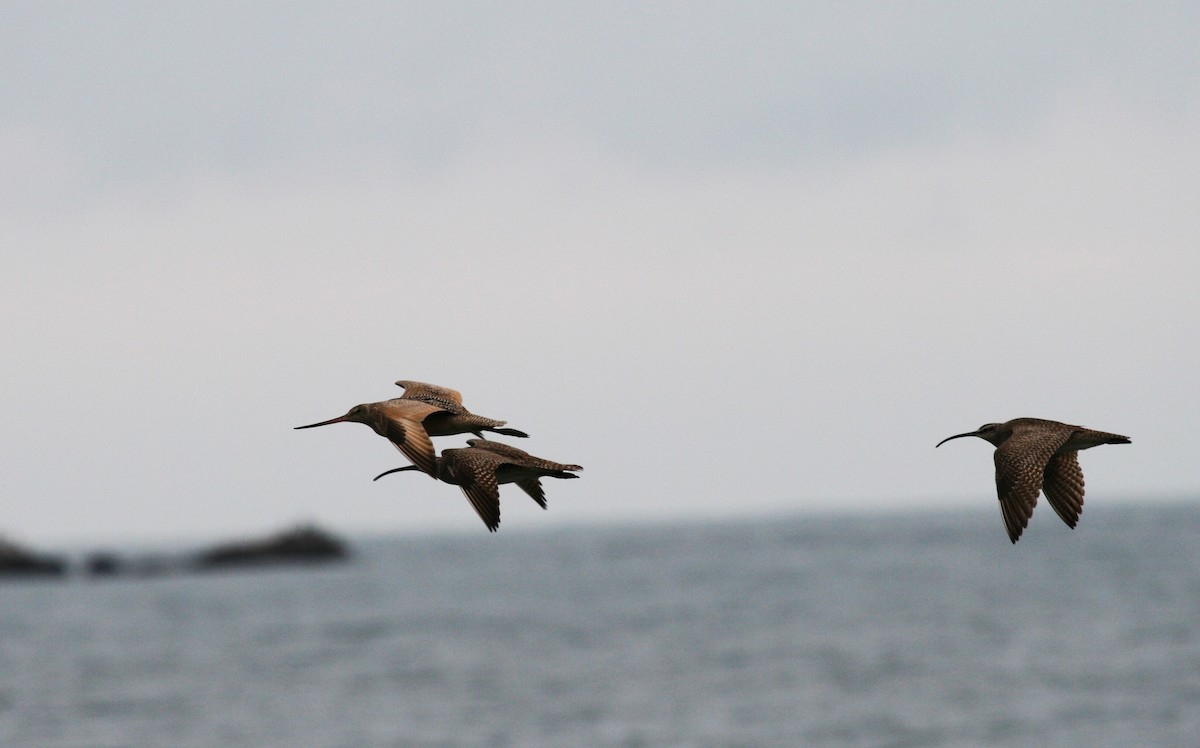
[921, 629]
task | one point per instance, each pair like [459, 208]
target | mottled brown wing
[533, 487]
[519, 456]
[442, 397]
[412, 441]
[475, 473]
[1063, 485]
[500, 448]
[1020, 464]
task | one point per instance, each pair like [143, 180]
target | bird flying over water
[481, 468]
[1034, 455]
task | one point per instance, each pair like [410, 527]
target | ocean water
[921, 629]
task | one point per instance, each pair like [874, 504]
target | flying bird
[1034, 455]
[408, 423]
[481, 468]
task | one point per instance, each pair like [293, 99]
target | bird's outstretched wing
[500, 448]
[519, 456]
[1020, 465]
[403, 428]
[475, 473]
[413, 443]
[442, 397]
[1063, 486]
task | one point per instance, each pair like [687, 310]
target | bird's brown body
[480, 469]
[1038, 456]
[408, 422]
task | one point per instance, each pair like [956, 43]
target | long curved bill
[396, 470]
[948, 438]
[339, 419]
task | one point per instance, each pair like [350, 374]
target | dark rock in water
[302, 545]
[103, 564]
[17, 561]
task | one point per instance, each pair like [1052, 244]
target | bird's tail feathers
[507, 432]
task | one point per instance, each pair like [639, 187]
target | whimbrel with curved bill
[408, 424]
[480, 469]
[1034, 455]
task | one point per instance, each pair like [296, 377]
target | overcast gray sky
[732, 258]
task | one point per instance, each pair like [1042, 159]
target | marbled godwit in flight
[454, 418]
[1035, 455]
[480, 469]
[408, 423]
